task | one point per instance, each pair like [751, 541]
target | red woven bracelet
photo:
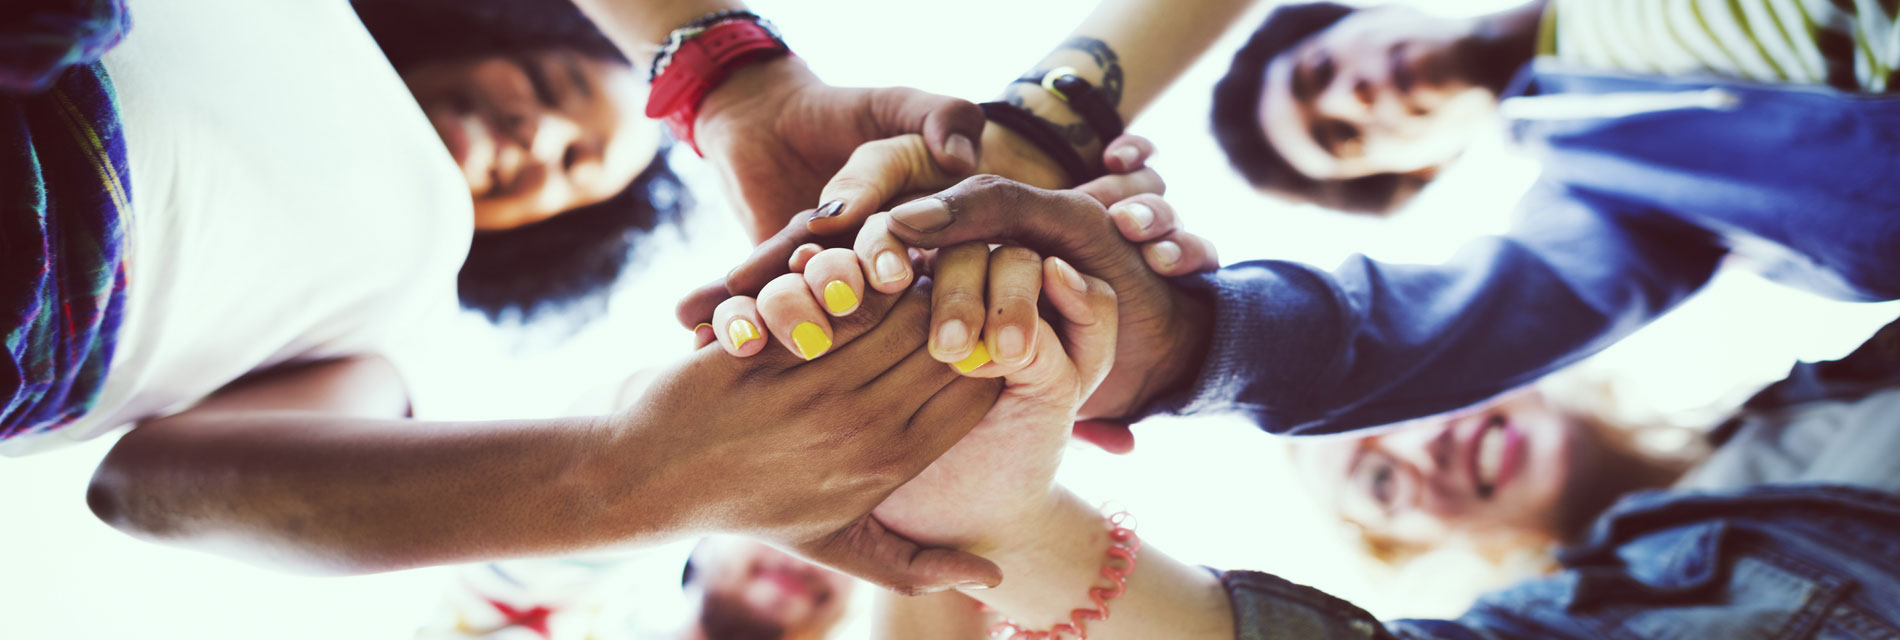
[1123, 545]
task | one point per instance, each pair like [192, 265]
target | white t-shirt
[289, 201]
[1834, 441]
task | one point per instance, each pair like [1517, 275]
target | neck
[1617, 467]
[1504, 42]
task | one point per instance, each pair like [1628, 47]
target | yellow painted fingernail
[839, 298]
[978, 357]
[741, 331]
[811, 340]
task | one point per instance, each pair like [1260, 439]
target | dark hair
[567, 263]
[1236, 121]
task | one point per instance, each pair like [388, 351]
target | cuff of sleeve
[1277, 327]
[1267, 607]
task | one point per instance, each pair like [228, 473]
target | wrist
[1190, 335]
[1050, 558]
[1008, 154]
[761, 81]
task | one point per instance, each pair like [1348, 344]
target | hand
[776, 133]
[1163, 329]
[798, 452]
[886, 170]
[1006, 465]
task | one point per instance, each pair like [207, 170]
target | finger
[1127, 153]
[884, 351]
[1179, 254]
[736, 324]
[877, 172]
[1089, 320]
[697, 307]
[956, 303]
[881, 257]
[769, 259]
[1063, 223]
[875, 554]
[952, 127]
[834, 279]
[1113, 437]
[788, 310]
[1116, 187]
[1143, 217]
[802, 255]
[703, 335]
[1015, 285]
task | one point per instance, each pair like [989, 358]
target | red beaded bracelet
[1123, 545]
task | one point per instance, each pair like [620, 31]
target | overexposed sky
[1213, 492]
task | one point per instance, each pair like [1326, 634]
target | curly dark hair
[1236, 121]
[566, 264]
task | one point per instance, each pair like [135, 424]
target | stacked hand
[1163, 329]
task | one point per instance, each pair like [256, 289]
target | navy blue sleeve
[1302, 351]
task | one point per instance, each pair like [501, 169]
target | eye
[1379, 484]
[570, 157]
[538, 80]
[1323, 70]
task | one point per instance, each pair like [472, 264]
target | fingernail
[973, 586]
[890, 268]
[1128, 155]
[1167, 252]
[702, 325]
[1071, 277]
[1139, 214]
[828, 209]
[926, 215]
[839, 298]
[1012, 344]
[979, 356]
[810, 340]
[960, 147]
[953, 337]
[741, 331]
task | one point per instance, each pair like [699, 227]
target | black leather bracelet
[1088, 103]
[1043, 135]
[1083, 98]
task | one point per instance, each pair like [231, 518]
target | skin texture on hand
[858, 422]
[777, 134]
[1163, 330]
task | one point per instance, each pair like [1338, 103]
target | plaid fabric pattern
[64, 200]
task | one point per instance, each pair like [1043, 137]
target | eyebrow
[538, 80]
[578, 78]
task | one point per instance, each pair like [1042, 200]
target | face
[756, 587]
[1496, 472]
[540, 133]
[1385, 90]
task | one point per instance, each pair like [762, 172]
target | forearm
[1050, 564]
[938, 616]
[638, 27]
[332, 494]
[1130, 50]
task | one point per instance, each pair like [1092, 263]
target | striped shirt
[1851, 45]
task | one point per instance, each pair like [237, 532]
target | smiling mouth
[1494, 456]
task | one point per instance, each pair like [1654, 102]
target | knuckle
[957, 300]
[1014, 257]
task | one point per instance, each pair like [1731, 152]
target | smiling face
[1386, 90]
[539, 133]
[755, 591]
[1499, 472]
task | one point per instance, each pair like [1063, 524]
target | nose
[1429, 449]
[1347, 98]
[552, 135]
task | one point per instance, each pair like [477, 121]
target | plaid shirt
[64, 199]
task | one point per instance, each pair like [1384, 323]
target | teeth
[1490, 457]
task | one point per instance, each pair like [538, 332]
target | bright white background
[1208, 491]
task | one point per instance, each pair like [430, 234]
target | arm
[1302, 350]
[1131, 50]
[939, 616]
[310, 468]
[1306, 352]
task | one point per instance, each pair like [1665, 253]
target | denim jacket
[1769, 562]
[1648, 185]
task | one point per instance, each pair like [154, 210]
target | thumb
[952, 127]
[873, 553]
[1113, 437]
[877, 172]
